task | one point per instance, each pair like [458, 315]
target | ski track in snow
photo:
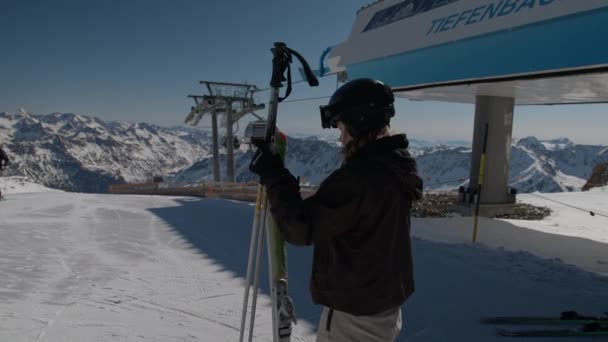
[83, 267]
[101, 268]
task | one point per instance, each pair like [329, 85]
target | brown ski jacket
[359, 224]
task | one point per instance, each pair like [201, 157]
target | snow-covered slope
[19, 185]
[311, 159]
[547, 166]
[80, 153]
[90, 267]
[553, 166]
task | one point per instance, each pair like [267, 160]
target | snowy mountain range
[547, 166]
[79, 153]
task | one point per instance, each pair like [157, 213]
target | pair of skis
[283, 314]
[571, 324]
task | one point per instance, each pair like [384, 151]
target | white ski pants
[337, 326]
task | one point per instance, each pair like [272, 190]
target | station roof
[538, 51]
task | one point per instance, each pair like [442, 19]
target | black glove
[267, 164]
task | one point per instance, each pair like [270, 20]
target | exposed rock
[438, 204]
[599, 177]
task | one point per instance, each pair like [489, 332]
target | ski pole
[252, 244]
[482, 167]
[258, 262]
[281, 324]
[273, 291]
[282, 58]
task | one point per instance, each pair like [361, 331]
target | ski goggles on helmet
[329, 116]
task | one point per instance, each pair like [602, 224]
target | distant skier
[4, 161]
[359, 219]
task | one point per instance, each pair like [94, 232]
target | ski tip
[282, 136]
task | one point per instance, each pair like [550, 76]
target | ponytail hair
[359, 141]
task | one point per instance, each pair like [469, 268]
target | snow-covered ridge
[546, 166]
[79, 153]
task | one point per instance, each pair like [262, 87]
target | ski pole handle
[281, 61]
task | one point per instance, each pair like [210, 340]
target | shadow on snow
[455, 283]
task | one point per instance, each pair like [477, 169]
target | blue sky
[137, 60]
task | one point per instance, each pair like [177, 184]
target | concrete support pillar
[216, 149]
[229, 146]
[497, 112]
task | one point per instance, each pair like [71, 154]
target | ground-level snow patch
[84, 267]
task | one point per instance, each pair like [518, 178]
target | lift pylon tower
[232, 100]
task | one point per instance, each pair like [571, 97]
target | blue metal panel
[567, 42]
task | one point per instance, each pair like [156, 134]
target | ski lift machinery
[233, 101]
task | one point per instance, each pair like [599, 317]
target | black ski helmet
[363, 104]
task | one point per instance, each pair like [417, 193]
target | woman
[359, 219]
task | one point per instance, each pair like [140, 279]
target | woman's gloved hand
[267, 164]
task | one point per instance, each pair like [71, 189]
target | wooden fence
[235, 191]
